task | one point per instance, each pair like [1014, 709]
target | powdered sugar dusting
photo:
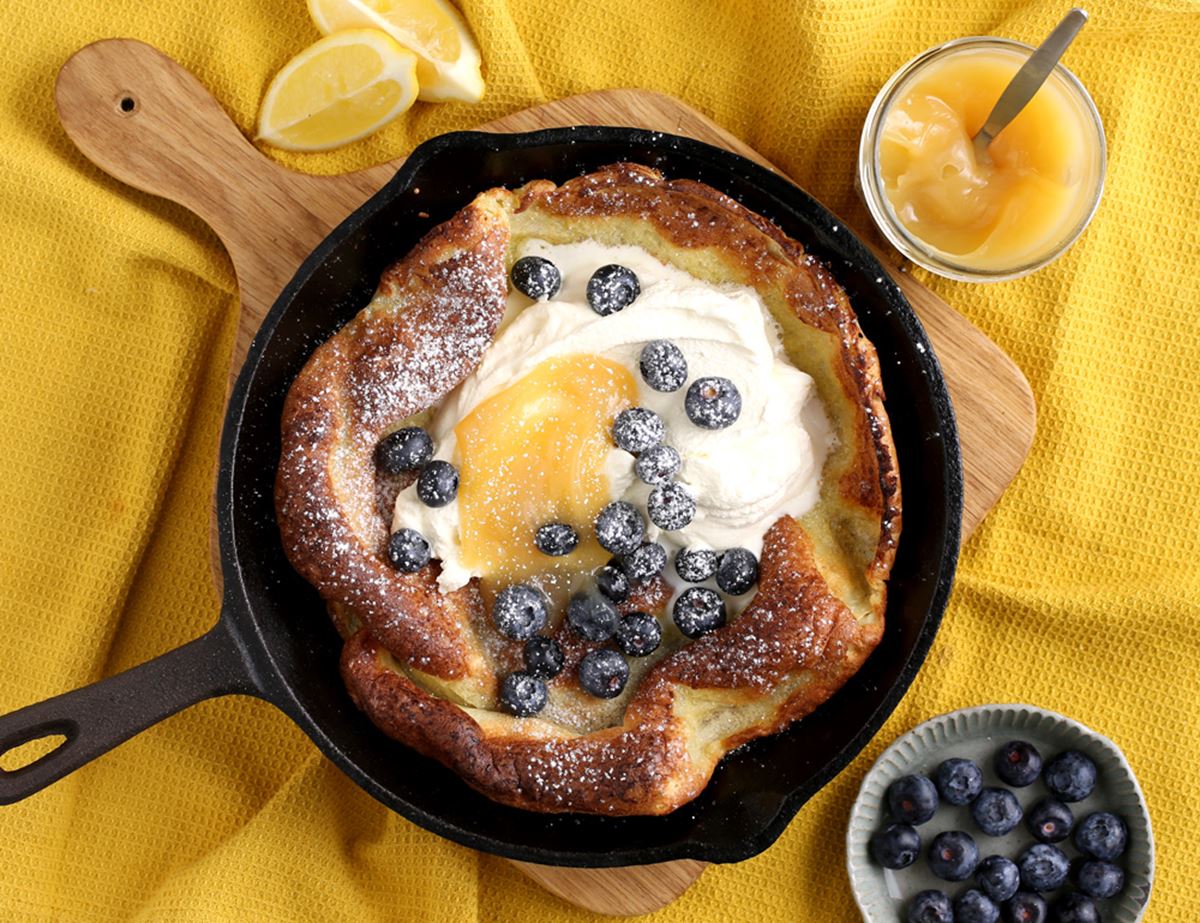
[428, 325]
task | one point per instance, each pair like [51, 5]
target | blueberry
[1100, 879]
[612, 582]
[1025, 907]
[543, 657]
[953, 856]
[612, 288]
[695, 565]
[975, 907]
[536, 278]
[592, 616]
[998, 878]
[637, 429]
[896, 846]
[603, 673]
[658, 464]
[1075, 908]
[404, 450]
[699, 610]
[1018, 763]
[1043, 867]
[523, 694]
[556, 539]
[407, 550]
[912, 799]
[663, 366]
[958, 781]
[737, 571]
[930, 907]
[644, 562]
[1050, 820]
[670, 507]
[437, 484]
[713, 402]
[996, 811]
[639, 634]
[520, 611]
[1070, 776]
[620, 528]
[1102, 836]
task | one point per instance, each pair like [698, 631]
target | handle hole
[29, 752]
[127, 104]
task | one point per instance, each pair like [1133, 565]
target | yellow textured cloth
[1079, 593]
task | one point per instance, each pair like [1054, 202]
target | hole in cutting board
[127, 104]
[30, 752]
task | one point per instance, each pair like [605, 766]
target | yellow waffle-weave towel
[1080, 592]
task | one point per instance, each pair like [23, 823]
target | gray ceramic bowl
[977, 733]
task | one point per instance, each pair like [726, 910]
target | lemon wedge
[449, 58]
[338, 90]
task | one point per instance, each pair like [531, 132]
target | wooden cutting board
[144, 119]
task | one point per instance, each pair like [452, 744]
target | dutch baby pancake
[598, 487]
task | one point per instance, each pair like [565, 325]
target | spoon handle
[1029, 79]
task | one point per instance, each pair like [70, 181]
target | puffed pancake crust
[425, 666]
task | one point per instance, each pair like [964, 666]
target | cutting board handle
[149, 122]
[138, 115]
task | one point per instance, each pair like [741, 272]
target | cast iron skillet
[274, 640]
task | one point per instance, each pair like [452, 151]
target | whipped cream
[767, 464]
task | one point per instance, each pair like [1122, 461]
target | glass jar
[986, 261]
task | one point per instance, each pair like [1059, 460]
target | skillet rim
[240, 612]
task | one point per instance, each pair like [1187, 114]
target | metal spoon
[1028, 80]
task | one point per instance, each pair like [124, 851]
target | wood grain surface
[147, 121]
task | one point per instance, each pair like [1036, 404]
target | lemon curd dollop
[1014, 206]
[536, 453]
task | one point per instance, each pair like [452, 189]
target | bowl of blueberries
[1001, 813]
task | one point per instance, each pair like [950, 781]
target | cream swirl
[766, 464]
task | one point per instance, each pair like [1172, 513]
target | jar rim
[869, 172]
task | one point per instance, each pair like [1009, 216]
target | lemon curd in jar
[993, 217]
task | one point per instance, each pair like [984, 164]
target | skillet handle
[98, 717]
